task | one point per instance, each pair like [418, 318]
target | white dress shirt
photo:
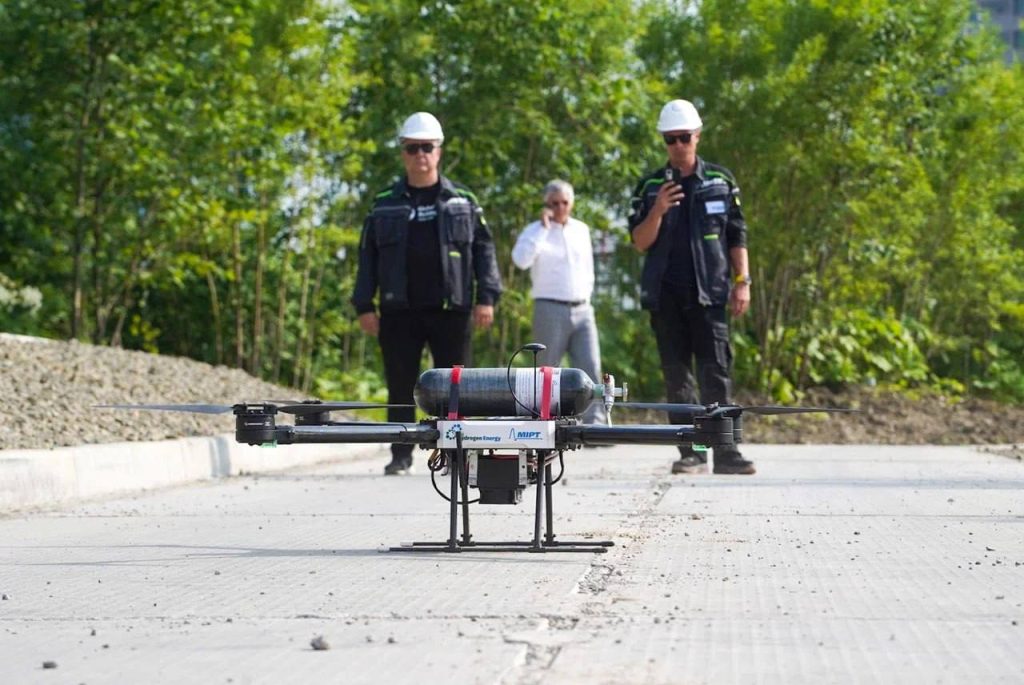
[560, 260]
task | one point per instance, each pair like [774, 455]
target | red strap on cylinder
[453, 392]
[547, 372]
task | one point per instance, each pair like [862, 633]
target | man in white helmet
[427, 257]
[686, 216]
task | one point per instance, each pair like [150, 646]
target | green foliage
[190, 177]
[879, 151]
[1000, 375]
[19, 305]
[526, 92]
[859, 346]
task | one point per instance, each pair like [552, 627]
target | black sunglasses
[413, 148]
[682, 138]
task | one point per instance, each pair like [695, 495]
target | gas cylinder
[485, 392]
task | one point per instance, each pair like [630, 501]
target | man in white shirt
[557, 251]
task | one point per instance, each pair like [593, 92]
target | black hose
[561, 462]
[508, 377]
[440, 464]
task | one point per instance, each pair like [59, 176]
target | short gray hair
[561, 187]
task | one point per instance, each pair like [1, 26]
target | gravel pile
[49, 389]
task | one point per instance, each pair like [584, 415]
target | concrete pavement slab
[832, 564]
[848, 566]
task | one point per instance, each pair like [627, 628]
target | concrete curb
[45, 478]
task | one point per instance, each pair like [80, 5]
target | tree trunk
[300, 347]
[236, 239]
[257, 295]
[101, 308]
[282, 313]
[211, 284]
[346, 351]
[115, 337]
[78, 249]
[96, 60]
[307, 382]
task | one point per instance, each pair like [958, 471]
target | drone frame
[564, 433]
[710, 426]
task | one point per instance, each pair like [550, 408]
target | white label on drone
[525, 384]
[483, 435]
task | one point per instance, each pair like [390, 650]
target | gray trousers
[566, 328]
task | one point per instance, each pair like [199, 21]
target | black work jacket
[716, 225]
[467, 251]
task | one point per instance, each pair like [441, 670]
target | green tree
[190, 177]
[526, 91]
[849, 125]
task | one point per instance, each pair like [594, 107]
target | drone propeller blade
[771, 410]
[298, 409]
[699, 409]
[303, 409]
[663, 406]
[191, 408]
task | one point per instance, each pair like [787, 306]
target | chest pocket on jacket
[712, 208]
[389, 226]
[459, 222]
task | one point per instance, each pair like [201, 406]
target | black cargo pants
[687, 333]
[403, 333]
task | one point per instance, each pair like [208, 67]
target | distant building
[1007, 16]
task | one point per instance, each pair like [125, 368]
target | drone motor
[712, 431]
[255, 424]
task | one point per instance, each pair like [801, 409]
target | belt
[568, 303]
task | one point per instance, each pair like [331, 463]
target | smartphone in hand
[546, 215]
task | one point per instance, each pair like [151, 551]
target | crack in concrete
[595, 580]
[535, 659]
[544, 644]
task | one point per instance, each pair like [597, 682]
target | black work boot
[732, 462]
[690, 462]
[399, 466]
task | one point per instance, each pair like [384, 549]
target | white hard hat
[422, 126]
[679, 115]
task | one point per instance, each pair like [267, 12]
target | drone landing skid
[543, 510]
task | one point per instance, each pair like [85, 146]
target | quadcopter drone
[495, 430]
